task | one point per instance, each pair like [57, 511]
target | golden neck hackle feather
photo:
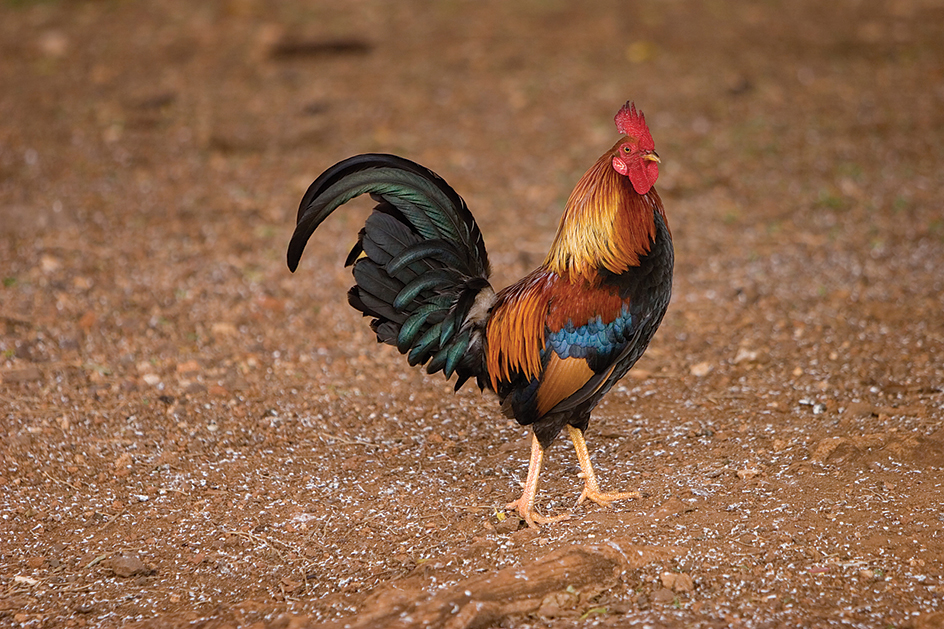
[605, 224]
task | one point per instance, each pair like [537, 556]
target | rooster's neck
[605, 225]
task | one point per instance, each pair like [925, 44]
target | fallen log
[565, 579]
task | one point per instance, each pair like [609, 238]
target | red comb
[633, 123]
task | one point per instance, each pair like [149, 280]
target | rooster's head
[636, 156]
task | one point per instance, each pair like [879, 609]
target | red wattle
[643, 175]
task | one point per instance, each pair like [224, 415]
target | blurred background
[174, 140]
[152, 157]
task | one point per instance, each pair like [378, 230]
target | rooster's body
[550, 345]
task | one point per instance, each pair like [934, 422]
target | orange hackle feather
[515, 330]
[605, 224]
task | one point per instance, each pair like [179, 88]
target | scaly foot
[591, 488]
[525, 504]
[532, 517]
[603, 498]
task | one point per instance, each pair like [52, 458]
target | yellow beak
[652, 157]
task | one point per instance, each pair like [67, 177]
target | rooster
[550, 345]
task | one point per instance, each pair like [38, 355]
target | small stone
[745, 355]
[25, 580]
[88, 320]
[557, 604]
[748, 473]
[678, 581]
[49, 264]
[223, 329]
[672, 506]
[194, 388]
[124, 461]
[663, 595]
[700, 370]
[53, 44]
[683, 583]
[151, 379]
[509, 524]
[126, 565]
[218, 391]
[191, 366]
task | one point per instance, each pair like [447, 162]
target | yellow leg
[525, 504]
[591, 489]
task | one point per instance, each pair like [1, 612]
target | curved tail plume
[420, 264]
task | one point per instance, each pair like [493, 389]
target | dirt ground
[194, 437]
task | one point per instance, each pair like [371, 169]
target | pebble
[190, 366]
[126, 565]
[678, 582]
[745, 355]
[748, 473]
[663, 595]
[672, 506]
[700, 370]
[509, 524]
[25, 580]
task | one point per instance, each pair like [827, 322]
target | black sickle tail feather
[420, 264]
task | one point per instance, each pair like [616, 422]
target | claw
[531, 516]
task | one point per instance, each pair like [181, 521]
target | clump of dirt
[194, 437]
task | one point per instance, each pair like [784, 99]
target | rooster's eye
[626, 149]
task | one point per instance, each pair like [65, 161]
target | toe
[604, 499]
[532, 517]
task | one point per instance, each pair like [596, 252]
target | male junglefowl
[550, 345]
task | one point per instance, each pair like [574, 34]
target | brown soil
[193, 437]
